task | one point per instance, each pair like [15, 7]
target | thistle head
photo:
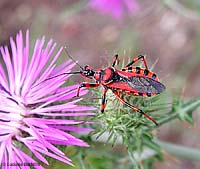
[34, 113]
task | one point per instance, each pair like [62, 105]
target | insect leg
[133, 107]
[87, 85]
[115, 60]
[140, 57]
[103, 102]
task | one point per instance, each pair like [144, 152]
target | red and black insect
[131, 80]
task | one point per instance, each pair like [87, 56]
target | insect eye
[87, 67]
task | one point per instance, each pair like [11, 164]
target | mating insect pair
[131, 80]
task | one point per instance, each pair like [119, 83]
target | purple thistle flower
[32, 109]
[115, 8]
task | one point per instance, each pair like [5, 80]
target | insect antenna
[61, 75]
[66, 73]
[66, 51]
[78, 72]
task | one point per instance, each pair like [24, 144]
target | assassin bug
[131, 80]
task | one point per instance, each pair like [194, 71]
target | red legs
[140, 57]
[103, 102]
[115, 60]
[87, 85]
[133, 107]
[93, 85]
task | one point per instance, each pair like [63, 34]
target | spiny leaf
[185, 110]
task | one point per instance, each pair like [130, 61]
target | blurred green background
[167, 31]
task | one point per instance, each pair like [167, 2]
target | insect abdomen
[137, 71]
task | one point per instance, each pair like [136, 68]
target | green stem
[172, 117]
[81, 161]
[180, 151]
[133, 160]
[174, 149]
[166, 120]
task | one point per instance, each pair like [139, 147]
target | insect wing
[140, 83]
[145, 84]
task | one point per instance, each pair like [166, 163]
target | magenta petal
[34, 103]
[2, 150]
[72, 128]
[63, 159]
[38, 155]
[67, 114]
[24, 157]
